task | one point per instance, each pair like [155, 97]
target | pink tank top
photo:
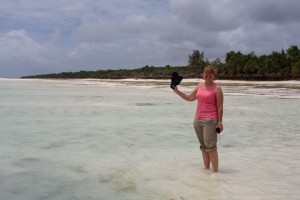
[207, 102]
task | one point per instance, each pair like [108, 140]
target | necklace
[207, 85]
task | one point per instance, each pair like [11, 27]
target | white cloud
[70, 35]
[100, 31]
[18, 45]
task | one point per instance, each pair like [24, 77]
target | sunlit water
[114, 140]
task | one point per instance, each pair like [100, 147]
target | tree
[277, 61]
[235, 62]
[262, 64]
[218, 65]
[250, 62]
[229, 55]
[196, 59]
[269, 65]
[296, 69]
[293, 54]
[251, 67]
[216, 62]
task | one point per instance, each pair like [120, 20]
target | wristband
[220, 123]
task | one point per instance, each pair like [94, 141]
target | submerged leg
[213, 156]
[206, 159]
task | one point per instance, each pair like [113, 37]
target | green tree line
[282, 65]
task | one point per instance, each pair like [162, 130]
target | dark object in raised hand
[175, 80]
[218, 130]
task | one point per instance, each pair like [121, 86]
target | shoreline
[293, 84]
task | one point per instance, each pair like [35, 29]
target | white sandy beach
[190, 82]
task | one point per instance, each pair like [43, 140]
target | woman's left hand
[220, 126]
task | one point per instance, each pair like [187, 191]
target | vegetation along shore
[283, 65]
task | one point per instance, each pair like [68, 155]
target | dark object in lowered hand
[175, 79]
[218, 130]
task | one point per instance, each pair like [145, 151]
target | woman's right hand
[174, 88]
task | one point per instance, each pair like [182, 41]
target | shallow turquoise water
[91, 139]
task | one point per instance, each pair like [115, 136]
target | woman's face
[208, 75]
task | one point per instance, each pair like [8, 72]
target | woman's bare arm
[187, 97]
[219, 95]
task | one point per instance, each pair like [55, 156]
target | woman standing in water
[208, 116]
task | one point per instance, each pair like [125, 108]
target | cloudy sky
[38, 37]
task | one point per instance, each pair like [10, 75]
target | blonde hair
[210, 68]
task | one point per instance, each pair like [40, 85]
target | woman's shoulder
[201, 84]
[218, 87]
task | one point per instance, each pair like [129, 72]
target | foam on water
[94, 139]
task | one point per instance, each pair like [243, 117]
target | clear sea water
[123, 140]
